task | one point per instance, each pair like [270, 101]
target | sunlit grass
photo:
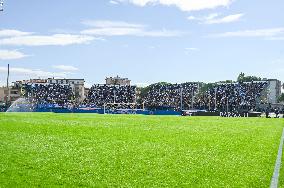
[136, 151]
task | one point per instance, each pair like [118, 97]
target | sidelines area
[275, 177]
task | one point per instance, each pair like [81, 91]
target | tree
[242, 78]
[281, 98]
[144, 90]
[226, 81]
[206, 86]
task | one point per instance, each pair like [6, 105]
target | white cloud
[217, 19]
[111, 24]
[65, 67]
[226, 19]
[192, 18]
[130, 32]
[33, 72]
[184, 5]
[192, 49]
[111, 31]
[42, 40]
[13, 33]
[11, 54]
[113, 2]
[212, 16]
[269, 33]
[205, 18]
[118, 28]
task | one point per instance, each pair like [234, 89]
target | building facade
[273, 91]
[117, 81]
[9, 95]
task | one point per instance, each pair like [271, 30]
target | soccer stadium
[147, 93]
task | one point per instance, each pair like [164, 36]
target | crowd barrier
[23, 108]
[225, 114]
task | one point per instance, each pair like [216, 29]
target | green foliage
[163, 83]
[242, 78]
[144, 90]
[281, 98]
[226, 81]
[89, 150]
[206, 86]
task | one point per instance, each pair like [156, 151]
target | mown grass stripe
[275, 177]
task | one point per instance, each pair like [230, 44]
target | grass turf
[137, 151]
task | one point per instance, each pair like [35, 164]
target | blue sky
[145, 40]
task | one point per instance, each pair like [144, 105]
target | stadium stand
[174, 96]
[102, 94]
[49, 94]
[232, 96]
[159, 98]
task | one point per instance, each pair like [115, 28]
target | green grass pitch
[93, 150]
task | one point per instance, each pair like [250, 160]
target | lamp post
[8, 89]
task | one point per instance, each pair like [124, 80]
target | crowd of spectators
[221, 97]
[101, 94]
[174, 96]
[52, 94]
[231, 96]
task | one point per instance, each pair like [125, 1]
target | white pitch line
[275, 177]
